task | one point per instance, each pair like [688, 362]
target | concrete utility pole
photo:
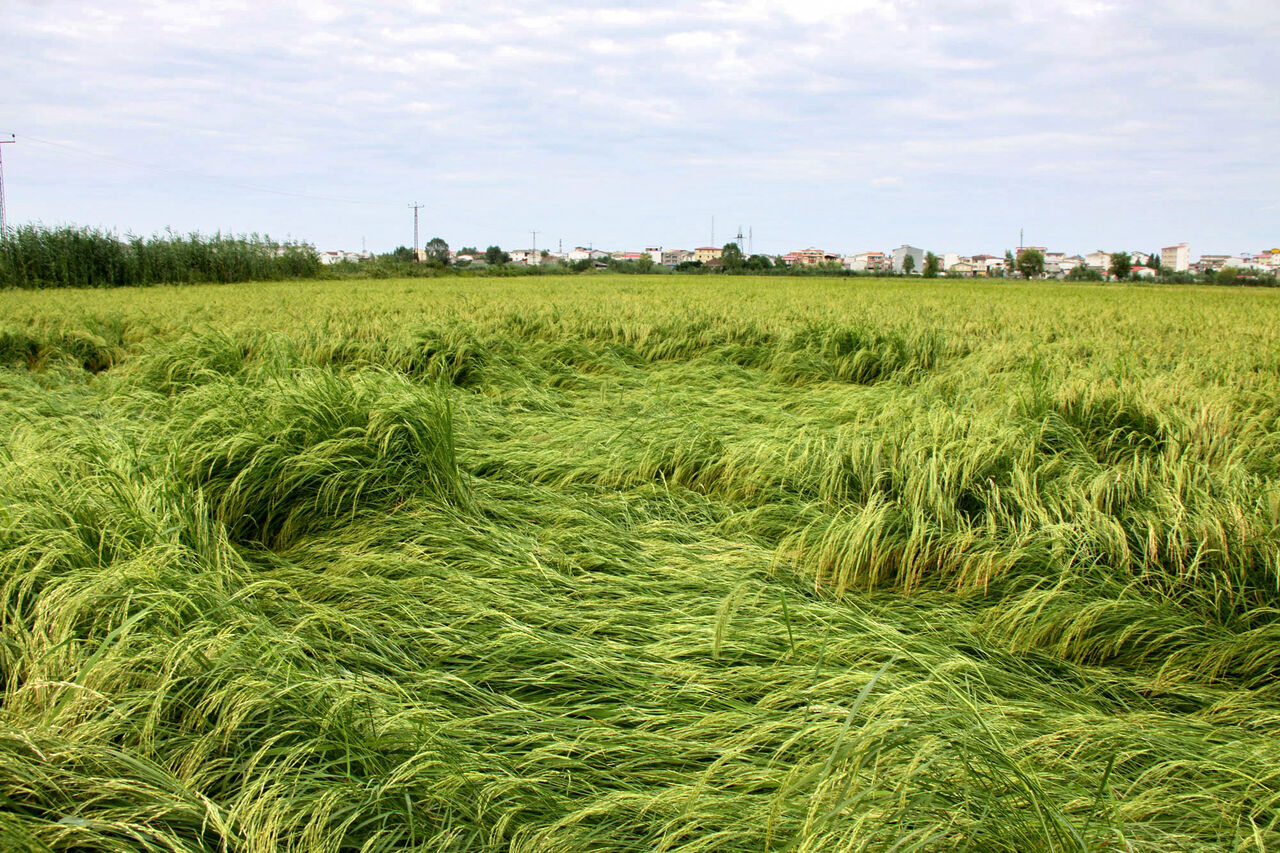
[4, 223]
[416, 207]
[537, 260]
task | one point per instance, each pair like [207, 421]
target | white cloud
[787, 98]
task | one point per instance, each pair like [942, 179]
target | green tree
[1083, 273]
[494, 256]
[1227, 275]
[469, 250]
[759, 263]
[437, 252]
[1030, 263]
[731, 258]
[402, 253]
[908, 265]
[1121, 265]
[932, 265]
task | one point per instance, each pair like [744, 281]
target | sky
[849, 126]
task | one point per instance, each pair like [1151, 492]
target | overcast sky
[844, 125]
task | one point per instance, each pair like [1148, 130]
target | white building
[343, 257]
[903, 252]
[581, 254]
[866, 262]
[1099, 260]
[1241, 262]
[1176, 258]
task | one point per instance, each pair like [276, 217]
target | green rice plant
[567, 564]
[274, 458]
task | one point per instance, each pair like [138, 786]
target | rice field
[605, 563]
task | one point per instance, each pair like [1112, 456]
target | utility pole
[4, 223]
[416, 207]
[537, 260]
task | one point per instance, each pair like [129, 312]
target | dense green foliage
[932, 265]
[589, 564]
[1120, 266]
[1030, 263]
[36, 257]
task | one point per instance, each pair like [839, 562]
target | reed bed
[37, 256]
[537, 566]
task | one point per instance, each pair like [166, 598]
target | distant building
[343, 257]
[903, 252]
[1067, 264]
[867, 262]
[706, 254]
[581, 254]
[990, 263]
[808, 257]
[1176, 258]
[1269, 260]
[654, 253]
[675, 257]
[1099, 261]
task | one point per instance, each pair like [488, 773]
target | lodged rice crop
[601, 564]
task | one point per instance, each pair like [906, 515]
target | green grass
[620, 563]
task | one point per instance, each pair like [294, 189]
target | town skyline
[1176, 258]
[951, 124]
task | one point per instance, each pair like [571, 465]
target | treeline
[34, 256]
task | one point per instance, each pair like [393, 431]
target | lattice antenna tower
[4, 222]
[416, 207]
